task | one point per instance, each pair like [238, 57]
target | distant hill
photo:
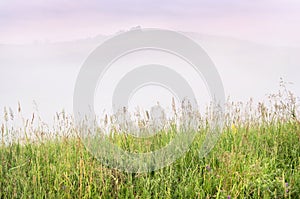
[47, 72]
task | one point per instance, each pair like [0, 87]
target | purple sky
[275, 22]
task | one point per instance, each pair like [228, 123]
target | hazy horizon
[47, 72]
[43, 44]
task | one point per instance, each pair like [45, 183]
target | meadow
[256, 156]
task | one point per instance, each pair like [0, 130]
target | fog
[46, 72]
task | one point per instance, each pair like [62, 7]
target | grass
[257, 156]
[256, 162]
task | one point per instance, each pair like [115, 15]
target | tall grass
[257, 156]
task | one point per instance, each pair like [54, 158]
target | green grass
[258, 161]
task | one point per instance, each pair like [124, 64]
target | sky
[275, 22]
[252, 42]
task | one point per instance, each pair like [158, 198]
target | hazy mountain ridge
[47, 72]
